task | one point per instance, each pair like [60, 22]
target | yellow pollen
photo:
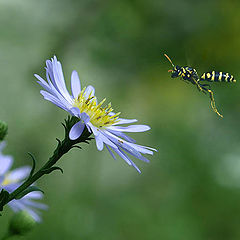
[99, 116]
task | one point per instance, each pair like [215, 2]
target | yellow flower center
[99, 116]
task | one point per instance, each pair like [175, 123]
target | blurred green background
[191, 188]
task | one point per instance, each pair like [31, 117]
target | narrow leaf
[49, 170]
[33, 165]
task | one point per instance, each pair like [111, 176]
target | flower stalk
[62, 148]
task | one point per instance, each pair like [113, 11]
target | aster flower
[99, 120]
[10, 180]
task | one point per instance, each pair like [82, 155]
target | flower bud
[21, 223]
[3, 130]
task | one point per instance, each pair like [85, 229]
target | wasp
[190, 75]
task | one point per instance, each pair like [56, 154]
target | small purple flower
[99, 120]
[10, 180]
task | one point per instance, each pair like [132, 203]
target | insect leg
[213, 105]
[198, 85]
[205, 85]
[205, 91]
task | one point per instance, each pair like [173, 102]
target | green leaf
[33, 166]
[49, 170]
[28, 190]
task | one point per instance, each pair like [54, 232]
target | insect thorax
[187, 73]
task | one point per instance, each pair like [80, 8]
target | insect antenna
[168, 58]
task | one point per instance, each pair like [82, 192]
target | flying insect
[190, 75]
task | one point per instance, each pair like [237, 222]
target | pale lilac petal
[121, 143]
[89, 128]
[34, 215]
[59, 79]
[76, 130]
[49, 73]
[95, 130]
[133, 164]
[75, 84]
[143, 149]
[45, 86]
[139, 156]
[53, 99]
[89, 92]
[5, 163]
[99, 142]
[2, 145]
[1, 180]
[57, 93]
[10, 187]
[109, 150]
[43, 83]
[130, 146]
[34, 195]
[123, 135]
[35, 204]
[84, 117]
[18, 205]
[125, 121]
[56, 81]
[131, 128]
[123, 157]
[13, 206]
[18, 174]
[107, 141]
[75, 111]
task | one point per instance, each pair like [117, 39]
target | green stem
[63, 148]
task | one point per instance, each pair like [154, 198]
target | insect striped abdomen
[217, 77]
